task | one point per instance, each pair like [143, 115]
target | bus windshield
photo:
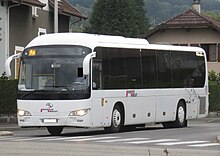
[53, 72]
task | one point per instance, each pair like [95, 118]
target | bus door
[98, 99]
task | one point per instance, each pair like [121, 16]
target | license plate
[50, 120]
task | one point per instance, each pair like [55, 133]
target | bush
[214, 90]
[214, 97]
[213, 76]
[8, 96]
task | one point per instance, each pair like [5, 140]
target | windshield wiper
[29, 92]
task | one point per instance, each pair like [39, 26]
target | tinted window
[188, 70]
[149, 68]
[200, 77]
[133, 68]
[164, 69]
[120, 68]
[111, 62]
[97, 71]
[117, 74]
[117, 68]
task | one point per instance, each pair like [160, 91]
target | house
[23, 20]
[191, 28]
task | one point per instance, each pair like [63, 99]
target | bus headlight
[80, 112]
[23, 113]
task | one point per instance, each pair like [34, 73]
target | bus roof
[94, 40]
[84, 39]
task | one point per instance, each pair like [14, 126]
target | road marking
[152, 141]
[68, 138]
[205, 145]
[34, 138]
[90, 139]
[122, 140]
[7, 137]
[181, 143]
[166, 142]
[10, 138]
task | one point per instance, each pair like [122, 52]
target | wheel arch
[184, 102]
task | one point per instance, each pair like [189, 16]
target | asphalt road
[199, 138]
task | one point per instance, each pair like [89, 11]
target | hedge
[8, 96]
[214, 96]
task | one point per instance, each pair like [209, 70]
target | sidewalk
[8, 124]
[7, 129]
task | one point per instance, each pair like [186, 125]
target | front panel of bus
[52, 90]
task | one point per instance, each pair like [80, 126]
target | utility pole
[55, 16]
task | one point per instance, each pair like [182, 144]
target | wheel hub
[181, 114]
[116, 118]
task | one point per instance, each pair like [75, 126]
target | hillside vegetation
[158, 10]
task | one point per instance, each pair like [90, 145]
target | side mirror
[8, 62]
[86, 62]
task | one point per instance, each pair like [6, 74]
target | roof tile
[67, 9]
[188, 19]
[29, 2]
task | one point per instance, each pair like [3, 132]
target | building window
[18, 49]
[218, 52]
[211, 52]
[34, 12]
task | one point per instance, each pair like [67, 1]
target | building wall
[183, 36]
[194, 37]
[3, 40]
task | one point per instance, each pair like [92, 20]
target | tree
[213, 15]
[85, 3]
[118, 17]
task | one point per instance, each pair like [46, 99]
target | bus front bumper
[45, 121]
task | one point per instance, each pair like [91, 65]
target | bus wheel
[180, 115]
[55, 130]
[116, 121]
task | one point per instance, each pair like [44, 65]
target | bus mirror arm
[8, 62]
[86, 63]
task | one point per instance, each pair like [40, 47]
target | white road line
[69, 138]
[121, 140]
[10, 138]
[205, 145]
[90, 139]
[4, 138]
[152, 141]
[34, 138]
[181, 143]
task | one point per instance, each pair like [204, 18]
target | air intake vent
[202, 105]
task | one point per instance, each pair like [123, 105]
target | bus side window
[97, 74]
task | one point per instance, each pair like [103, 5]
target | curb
[6, 133]
[8, 119]
[214, 114]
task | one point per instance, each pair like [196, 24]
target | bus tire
[116, 121]
[180, 117]
[55, 130]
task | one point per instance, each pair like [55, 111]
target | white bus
[87, 80]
